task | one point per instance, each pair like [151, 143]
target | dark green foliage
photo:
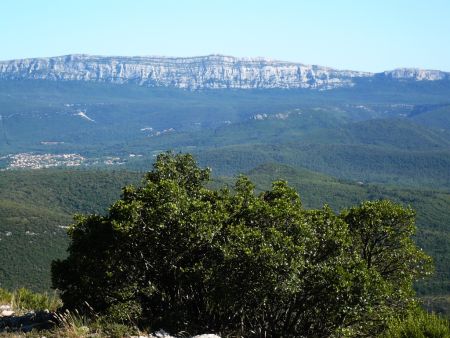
[175, 254]
[383, 234]
[432, 209]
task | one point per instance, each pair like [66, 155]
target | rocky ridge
[415, 74]
[193, 73]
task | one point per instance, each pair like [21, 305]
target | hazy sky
[370, 35]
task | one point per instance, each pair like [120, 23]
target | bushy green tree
[382, 234]
[175, 254]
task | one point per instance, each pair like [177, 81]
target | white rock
[416, 74]
[161, 334]
[6, 313]
[212, 71]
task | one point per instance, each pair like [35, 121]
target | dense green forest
[36, 207]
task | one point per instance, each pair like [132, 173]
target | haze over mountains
[203, 72]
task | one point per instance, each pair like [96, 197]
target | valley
[69, 144]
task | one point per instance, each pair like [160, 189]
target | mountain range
[203, 72]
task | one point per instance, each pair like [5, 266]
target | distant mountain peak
[212, 71]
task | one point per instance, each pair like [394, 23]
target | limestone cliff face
[415, 74]
[205, 72]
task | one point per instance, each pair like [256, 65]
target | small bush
[419, 324]
[124, 312]
[24, 299]
[116, 330]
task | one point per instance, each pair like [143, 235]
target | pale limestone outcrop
[203, 72]
[208, 72]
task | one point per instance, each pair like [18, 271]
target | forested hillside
[37, 206]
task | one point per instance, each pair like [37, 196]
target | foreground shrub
[418, 324]
[78, 325]
[174, 254]
[25, 299]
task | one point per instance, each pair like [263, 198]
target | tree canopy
[176, 254]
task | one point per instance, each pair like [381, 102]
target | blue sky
[370, 35]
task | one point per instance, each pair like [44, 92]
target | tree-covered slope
[367, 163]
[35, 209]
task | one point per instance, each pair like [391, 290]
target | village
[39, 161]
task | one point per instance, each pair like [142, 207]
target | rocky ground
[12, 322]
[26, 322]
